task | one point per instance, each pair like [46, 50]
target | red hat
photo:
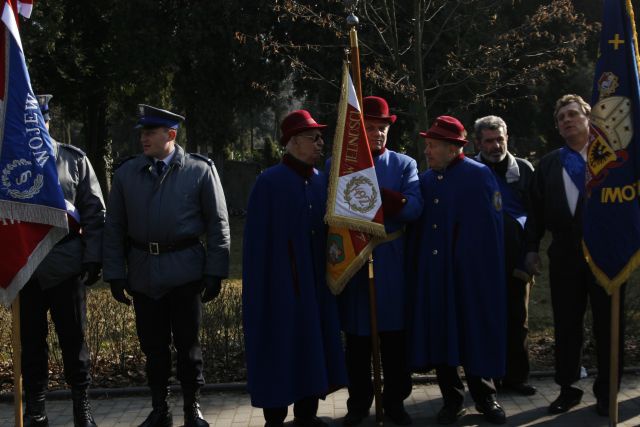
[296, 122]
[447, 128]
[375, 107]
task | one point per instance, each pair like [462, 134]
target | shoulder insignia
[72, 148]
[497, 201]
[202, 157]
[123, 161]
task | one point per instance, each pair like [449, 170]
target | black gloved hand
[117, 291]
[91, 272]
[212, 286]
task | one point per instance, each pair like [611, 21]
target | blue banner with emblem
[29, 187]
[33, 212]
[612, 209]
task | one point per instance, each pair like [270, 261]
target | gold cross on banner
[617, 41]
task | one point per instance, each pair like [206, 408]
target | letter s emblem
[24, 177]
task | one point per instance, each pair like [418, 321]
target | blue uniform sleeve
[411, 191]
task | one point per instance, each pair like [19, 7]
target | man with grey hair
[557, 195]
[513, 175]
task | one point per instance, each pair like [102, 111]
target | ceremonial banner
[354, 207]
[612, 212]
[32, 207]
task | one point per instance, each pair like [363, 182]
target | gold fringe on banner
[635, 34]
[337, 286]
[610, 285]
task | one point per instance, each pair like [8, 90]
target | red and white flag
[354, 206]
[354, 195]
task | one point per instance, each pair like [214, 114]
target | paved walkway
[232, 409]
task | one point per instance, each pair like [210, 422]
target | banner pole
[375, 343]
[613, 361]
[17, 362]
[373, 306]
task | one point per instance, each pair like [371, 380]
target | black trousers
[303, 409]
[397, 378]
[452, 389]
[176, 317]
[572, 285]
[67, 304]
[517, 369]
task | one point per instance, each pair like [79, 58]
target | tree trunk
[96, 142]
[421, 106]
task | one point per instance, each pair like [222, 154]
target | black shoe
[274, 424]
[399, 416]
[82, 416]
[309, 422]
[449, 414]
[354, 417]
[35, 421]
[193, 416]
[34, 413]
[569, 397]
[159, 417]
[492, 411]
[602, 407]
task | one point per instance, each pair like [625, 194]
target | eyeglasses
[314, 138]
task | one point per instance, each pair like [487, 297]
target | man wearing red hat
[398, 179]
[292, 335]
[457, 305]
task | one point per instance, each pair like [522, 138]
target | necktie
[160, 167]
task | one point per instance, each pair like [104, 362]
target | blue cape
[292, 333]
[457, 302]
[396, 172]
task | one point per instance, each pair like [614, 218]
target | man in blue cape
[457, 308]
[401, 202]
[291, 326]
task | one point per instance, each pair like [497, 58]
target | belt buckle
[154, 248]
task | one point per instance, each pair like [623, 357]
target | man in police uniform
[58, 286]
[457, 304]
[514, 176]
[161, 203]
[556, 205]
[401, 202]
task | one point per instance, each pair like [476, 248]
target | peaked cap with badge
[151, 117]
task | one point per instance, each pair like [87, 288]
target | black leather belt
[157, 248]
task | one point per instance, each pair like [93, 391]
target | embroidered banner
[612, 212]
[354, 207]
[32, 207]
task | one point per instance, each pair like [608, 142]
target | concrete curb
[106, 393]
